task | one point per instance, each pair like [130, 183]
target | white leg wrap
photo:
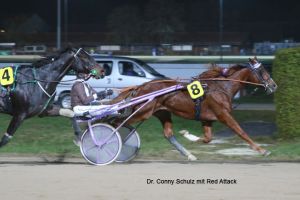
[189, 136]
[66, 112]
[191, 157]
[7, 135]
[181, 149]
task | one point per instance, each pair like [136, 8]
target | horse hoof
[5, 139]
[266, 153]
[77, 142]
[192, 157]
[183, 132]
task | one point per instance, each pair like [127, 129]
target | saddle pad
[6, 76]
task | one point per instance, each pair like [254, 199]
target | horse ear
[255, 58]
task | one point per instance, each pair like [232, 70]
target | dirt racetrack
[28, 179]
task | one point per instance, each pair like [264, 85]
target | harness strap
[43, 89]
[47, 103]
[75, 55]
[197, 109]
[39, 84]
[15, 77]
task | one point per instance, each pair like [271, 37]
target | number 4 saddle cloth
[7, 76]
[7, 79]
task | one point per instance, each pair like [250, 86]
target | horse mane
[49, 59]
[234, 68]
[216, 71]
[213, 72]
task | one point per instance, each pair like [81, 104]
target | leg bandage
[66, 112]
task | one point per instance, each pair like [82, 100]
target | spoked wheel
[102, 146]
[130, 143]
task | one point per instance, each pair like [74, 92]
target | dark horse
[34, 88]
[216, 104]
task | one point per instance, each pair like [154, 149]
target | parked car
[120, 72]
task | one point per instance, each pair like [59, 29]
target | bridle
[258, 71]
[92, 69]
[76, 58]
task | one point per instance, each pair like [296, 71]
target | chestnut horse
[216, 104]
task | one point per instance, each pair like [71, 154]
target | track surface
[36, 180]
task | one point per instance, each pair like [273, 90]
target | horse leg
[13, 125]
[228, 120]
[57, 111]
[207, 131]
[77, 131]
[166, 120]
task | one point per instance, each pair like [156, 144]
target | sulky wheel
[102, 145]
[130, 143]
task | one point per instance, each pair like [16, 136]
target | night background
[151, 22]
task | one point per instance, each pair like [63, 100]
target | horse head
[262, 75]
[84, 63]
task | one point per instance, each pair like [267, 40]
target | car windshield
[149, 69]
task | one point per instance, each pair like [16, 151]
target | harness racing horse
[34, 87]
[215, 105]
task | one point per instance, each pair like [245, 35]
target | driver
[84, 100]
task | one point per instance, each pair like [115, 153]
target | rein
[207, 79]
[234, 80]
